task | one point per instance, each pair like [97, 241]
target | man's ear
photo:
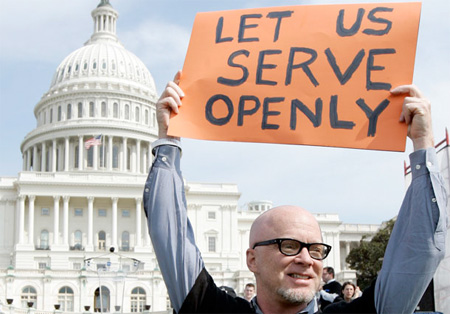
[251, 260]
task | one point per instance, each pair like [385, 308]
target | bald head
[283, 221]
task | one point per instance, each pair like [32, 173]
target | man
[331, 286]
[286, 251]
[249, 291]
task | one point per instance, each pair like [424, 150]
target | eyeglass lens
[292, 247]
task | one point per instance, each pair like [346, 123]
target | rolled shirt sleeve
[417, 243]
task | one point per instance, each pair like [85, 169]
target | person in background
[249, 291]
[348, 291]
[331, 287]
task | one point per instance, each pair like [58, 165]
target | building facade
[72, 228]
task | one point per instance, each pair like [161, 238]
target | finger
[168, 103]
[176, 88]
[177, 77]
[412, 90]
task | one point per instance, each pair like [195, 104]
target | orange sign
[312, 75]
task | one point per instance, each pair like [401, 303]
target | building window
[115, 110]
[211, 244]
[76, 266]
[128, 158]
[91, 109]
[125, 213]
[115, 159]
[127, 112]
[42, 265]
[28, 295]
[102, 213]
[59, 113]
[69, 111]
[65, 299]
[146, 116]
[125, 241]
[153, 119]
[76, 159]
[78, 240]
[79, 212]
[90, 157]
[138, 299]
[212, 215]
[43, 243]
[51, 115]
[101, 240]
[136, 114]
[80, 110]
[102, 155]
[103, 109]
[45, 117]
[45, 211]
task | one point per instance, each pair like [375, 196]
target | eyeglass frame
[302, 245]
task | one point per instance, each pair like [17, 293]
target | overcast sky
[361, 186]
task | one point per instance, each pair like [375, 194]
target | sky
[361, 186]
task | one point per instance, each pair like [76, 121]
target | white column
[138, 156]
[21, 200]
[347, 251]
[90, 244]
[56, 220]
[138, 222]
[80, 152]
[28, 159]
[114, 222]
[54, 156]
[44, 157]
[31, 200]
[110, 152]
[66, 154]
[337, 254]
[35, 159]
[66, 220]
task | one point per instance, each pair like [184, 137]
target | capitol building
[73, 234]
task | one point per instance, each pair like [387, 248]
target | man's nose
[303, 257]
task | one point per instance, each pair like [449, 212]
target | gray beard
[294, 296]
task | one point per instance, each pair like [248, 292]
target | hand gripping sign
[311, 75]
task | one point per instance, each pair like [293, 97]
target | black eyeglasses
[291, 247]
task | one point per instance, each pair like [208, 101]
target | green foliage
[368, 257]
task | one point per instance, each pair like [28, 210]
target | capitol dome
[100, 91]
[103, 58]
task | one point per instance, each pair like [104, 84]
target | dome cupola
[102, 91]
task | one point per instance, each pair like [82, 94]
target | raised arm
[165, 206]
[417, 242]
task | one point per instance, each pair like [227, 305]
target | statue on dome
[103, 2]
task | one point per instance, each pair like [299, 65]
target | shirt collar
[310, 309]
